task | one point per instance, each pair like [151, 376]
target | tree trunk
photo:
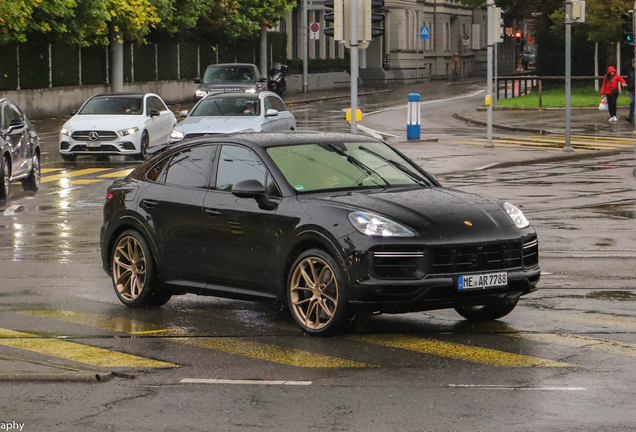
[263, 65]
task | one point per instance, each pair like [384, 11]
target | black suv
[19, 150]
[230, 77]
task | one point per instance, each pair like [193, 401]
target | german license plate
[93, 144]
[484, 280]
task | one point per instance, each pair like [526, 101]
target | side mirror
[184, 113]
[197, 80]
[14, 125]
[73, 112]
[262, 79]
[271, 113]
[253, 189]
[154, 113]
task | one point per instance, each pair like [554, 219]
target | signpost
[314, 31]
[423, 36]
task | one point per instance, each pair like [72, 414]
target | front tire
[143, 151]
[32, 182]
[5, 178]
[487, 312]
[316, 294]
[133, 273]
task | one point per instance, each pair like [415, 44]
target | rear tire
[32, 182]
[69, 157]
[487, 312]
[316, 294]
[133, 273]
[5, 178]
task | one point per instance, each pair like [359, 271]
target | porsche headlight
[377, 226]
[250, 91]
[129, 131]
[66, 132]
[516, 215]
[200, 93]
[176, 135]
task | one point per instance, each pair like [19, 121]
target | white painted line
[427, 102]
[605, 256]
[10, 211]
[546, 273]
[243, 382]
[504, 387]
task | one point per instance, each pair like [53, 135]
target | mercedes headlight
[200, 93]
[129, 131]
[516, 215]
[66, 132]
[176, 135]
[377, 226]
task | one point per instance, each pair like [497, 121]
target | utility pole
[568, 75]
[634, 43]
[354, 66]
[305, 46]
[491, 7]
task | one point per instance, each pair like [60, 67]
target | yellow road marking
[81, 182]
[558, 141]
[288, 356]
[231, 345]
[70, 174]
[118, 174]
[117, 324]
[592, 137]
[498, 145]
[49, 170]
[579, 341]
[457, 351]
[76, 352]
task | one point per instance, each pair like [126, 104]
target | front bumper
[127, 145]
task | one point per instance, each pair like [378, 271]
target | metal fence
[34, 66]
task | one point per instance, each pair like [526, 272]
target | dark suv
[230, 77]
[19, 149]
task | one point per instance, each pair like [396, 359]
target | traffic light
[628, 27]
[518, 37]
[336, 18]
[377, 18]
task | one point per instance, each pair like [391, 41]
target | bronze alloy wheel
[129, 268]
[314, 293]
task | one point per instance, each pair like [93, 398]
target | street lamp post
[491, 7]
[568, 75]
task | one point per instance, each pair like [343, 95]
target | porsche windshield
[329, 166]
[230, 105]
[114, 105]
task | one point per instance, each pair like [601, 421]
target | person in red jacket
[611, 91]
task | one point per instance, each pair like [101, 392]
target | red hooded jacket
[613, 84]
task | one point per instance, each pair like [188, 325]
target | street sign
[466, 37]
[424, 33]
[315, 31]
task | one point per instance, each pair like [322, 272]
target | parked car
[331, 223]
[19, 149]
[230, 77]
[234, 112]
[117, 124]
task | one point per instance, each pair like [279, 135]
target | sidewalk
[584, 121]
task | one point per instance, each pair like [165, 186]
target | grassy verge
[581, 97]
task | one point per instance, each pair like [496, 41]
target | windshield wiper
[397, 165]
[218, 107]
[355, 162]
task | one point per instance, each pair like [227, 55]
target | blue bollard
[413, 117]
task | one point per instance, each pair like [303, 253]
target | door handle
[212, 212]
[149, 203]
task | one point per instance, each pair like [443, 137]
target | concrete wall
[319, 81]
[62, 100]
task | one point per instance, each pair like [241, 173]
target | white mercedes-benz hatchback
[117, 124]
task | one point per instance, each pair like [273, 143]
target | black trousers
[611, 104]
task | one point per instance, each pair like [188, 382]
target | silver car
[234, 112]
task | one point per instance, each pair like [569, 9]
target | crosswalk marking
[117, 174]
[288, 356]
[257, 350]
[556, 142]
[49, 170]
[71, 174]
[76, 352]
[83, 182]
[580, 341]
[456, 351]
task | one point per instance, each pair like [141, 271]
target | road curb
[547, 159]
[470, 120]
[58, 378]
[510, 108]
[328, 98]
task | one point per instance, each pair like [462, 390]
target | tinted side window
[278, 104]
[154, 173]
[189, 168]
[9, 114]
[237, 164]
[155, 103]
[269, 103]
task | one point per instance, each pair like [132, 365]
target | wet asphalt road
[563, 360]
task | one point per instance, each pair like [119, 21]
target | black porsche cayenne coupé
[330, 223]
